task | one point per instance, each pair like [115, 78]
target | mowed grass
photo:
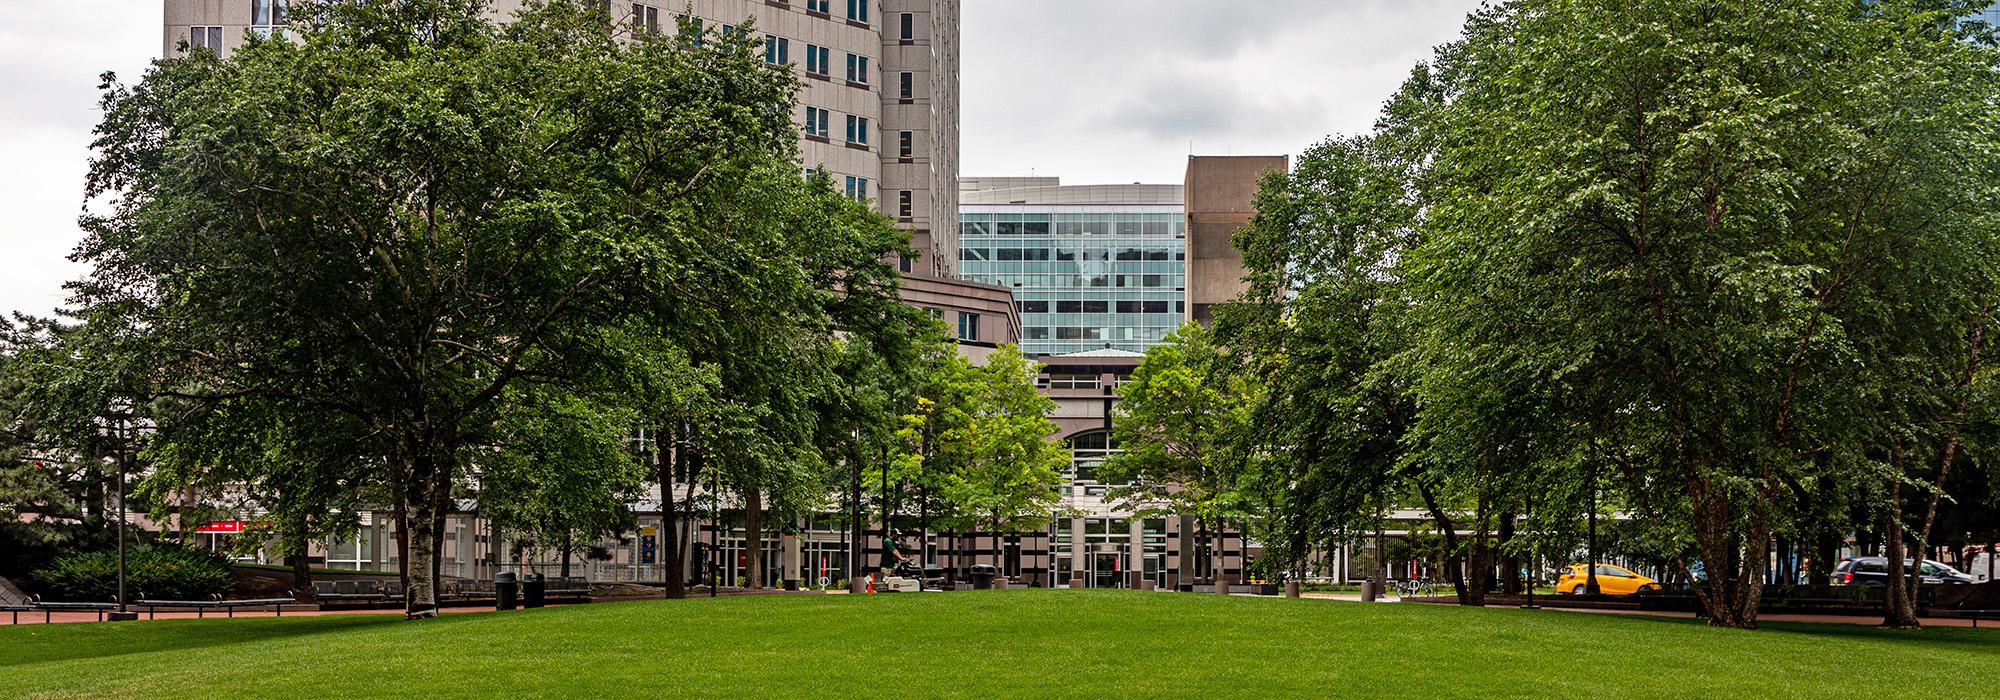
[982, 644]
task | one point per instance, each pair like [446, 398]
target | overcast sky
[1093, 91]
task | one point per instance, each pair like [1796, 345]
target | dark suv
[1874, 571]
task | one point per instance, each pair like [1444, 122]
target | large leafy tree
[1183, 423]
[1737, 238]
[409, 215]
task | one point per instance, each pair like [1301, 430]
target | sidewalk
[1868, 620]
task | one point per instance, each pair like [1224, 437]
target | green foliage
[152, 571]
[1725, 267]
[975, 451]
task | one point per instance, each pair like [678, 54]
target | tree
[1181, 422]
[1012, 469]
[1728, 237]
[409, 214]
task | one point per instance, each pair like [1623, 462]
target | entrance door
[1108, 572]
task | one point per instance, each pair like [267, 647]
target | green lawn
[986, 644]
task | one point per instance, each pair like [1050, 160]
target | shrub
[157, 571]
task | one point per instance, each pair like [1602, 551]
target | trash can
[532, 589]
[504, 590]
[982, 577]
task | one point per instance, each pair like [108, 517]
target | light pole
[1590, 565]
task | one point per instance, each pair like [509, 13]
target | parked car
[1611, 580]
[1982, 567]
[1874, 571]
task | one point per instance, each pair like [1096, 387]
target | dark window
[1034, 307]
[906, 146]
[1096, 306]
[1156, 255]
[904, 205]
[907, 264]
[909, 22]
[1009, 254]
[1128, 307]
[1069, 307]
[1008, 228]
[1035, 228]
[908, 85]
[972, 253]
[968, 326]
[1130, 254]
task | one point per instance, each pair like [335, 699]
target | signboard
[223, 527]
[648, 544]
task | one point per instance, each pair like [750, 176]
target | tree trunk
[671, 552]
[420, 596]
[1898, 607]
[302, 577]
[1454, 571]
[1510, 561]
[753, 538]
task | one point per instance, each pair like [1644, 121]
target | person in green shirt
[891, 553]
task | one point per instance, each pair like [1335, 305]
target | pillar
[1078, 554]
[1135, 559]
[788, 561]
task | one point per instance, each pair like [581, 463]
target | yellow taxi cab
[1611, 580]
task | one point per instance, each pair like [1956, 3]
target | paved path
[1871, 620]
[35, 618]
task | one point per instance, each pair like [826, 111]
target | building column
[377, 559]
[1135, 561]
[1078, 554]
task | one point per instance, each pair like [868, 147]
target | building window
[857, 188]
[857, 69]
[909, 23]
[968, 326]
[205, 38]
[823, 7]
[907, 264]
[690, 28]
[816, 119]
[645, 19]
[267, 18]
[906, 144]
[857, 130]
[1034, 307]
[908, 85]
[905, 204]
[857, 10]
[817, 62]
[777, 50]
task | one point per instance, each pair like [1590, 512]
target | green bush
[157, 571]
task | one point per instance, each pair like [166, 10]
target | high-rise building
[1091, 266]
[878, 112]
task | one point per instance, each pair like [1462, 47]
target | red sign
[223, 527]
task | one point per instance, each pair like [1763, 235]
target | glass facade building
[1086, 276]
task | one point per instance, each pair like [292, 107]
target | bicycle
[1416, 587]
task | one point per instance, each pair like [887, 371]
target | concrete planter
[1149, 585]
[1222, 586]
[1291, 589]
[999, 584]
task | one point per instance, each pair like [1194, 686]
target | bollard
[504, 589]
[533, 586]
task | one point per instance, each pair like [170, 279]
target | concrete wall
[1221, 192]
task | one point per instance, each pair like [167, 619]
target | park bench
[347, 591]
[572, 587]
[49, 609]
[215, 602]
[16, 610]
[1976, 615]
[467, 591]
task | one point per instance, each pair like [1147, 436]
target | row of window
[1098, 333]
[1131, 229]
[1102, 306]
[1072, 254]
[1059, 282]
